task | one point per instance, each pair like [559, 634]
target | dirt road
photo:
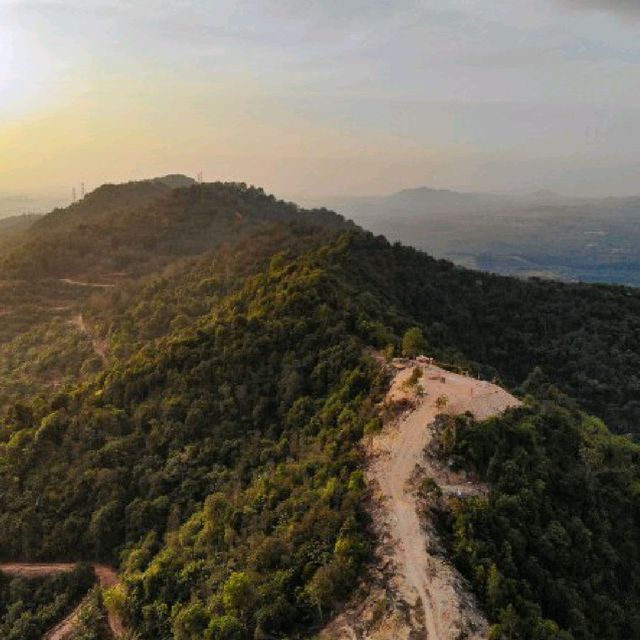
[79, 283]
[422, 578]
[107, 577]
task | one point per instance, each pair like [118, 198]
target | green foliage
[585, 338]
[553, 553]
[413, 342]
[29, 607]
[414, 378]
[244, 432]
[119, 235]
[49, 355]
[92, 620]
[226, 627]
[238, 593]
[215, 456]
[429, 489]
[139, 227]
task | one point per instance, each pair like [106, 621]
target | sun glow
[26, 78]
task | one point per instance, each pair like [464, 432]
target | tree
[238, 594]
[226, 627]
[190, 622]
[413, 343]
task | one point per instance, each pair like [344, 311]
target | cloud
[625, 8]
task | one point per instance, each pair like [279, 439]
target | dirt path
[79, 283]
[64, 629]
[107, 577]
[100, 345]
[422, 578]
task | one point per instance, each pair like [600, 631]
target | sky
[314, 98]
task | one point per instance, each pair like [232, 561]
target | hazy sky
[322, 97]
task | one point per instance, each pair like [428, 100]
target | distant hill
[17, 205]
[16, 224]
[432, 201]
[175, 181]
[102, 202]
[136, 227]
[537, 234]
[13, 228]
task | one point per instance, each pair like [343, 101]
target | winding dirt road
[422, 578]
[107, 577]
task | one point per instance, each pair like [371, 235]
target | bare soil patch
[417, 592]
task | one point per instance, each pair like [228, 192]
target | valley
[541, 235]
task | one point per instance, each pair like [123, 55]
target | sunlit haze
[320, 98]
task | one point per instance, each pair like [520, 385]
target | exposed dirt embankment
[418, 593]
[107, 577]
[100, 345]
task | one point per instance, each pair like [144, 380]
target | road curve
[107, 577]
[424, 578]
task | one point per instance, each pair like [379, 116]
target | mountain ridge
[215, 453]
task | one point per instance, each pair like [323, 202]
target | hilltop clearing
[448, 610]
[440, 604]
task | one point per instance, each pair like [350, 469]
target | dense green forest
[29, 607]
[554, 551]
[133, 229]
[585, 338]
[71, 262]
[266, 404]
[212, 451]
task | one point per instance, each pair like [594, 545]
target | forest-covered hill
[196, 418]
[136, 228]
[13, 225]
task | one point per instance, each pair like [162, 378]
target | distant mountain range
[536, 234]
